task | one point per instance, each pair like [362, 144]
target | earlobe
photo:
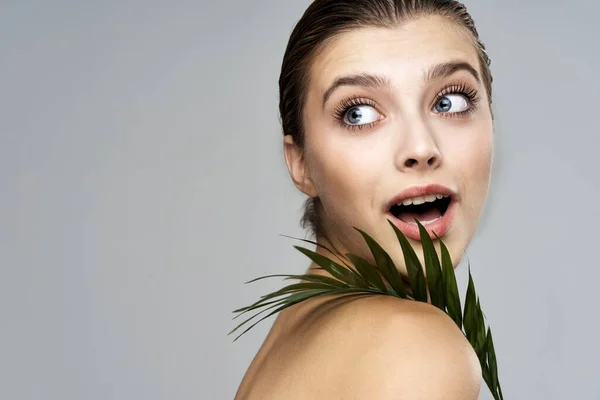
[297, 167]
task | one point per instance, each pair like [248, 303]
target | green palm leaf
[434, 271]
[450, 287]
[470, 311]
[385, 264]
[338, 271]
[383, 278]
[413, 266]
[493, 368]
[368, 271]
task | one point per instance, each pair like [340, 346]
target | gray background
[142, 182]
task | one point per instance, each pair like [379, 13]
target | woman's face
[389, 110]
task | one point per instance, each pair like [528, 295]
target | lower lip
[440, 227]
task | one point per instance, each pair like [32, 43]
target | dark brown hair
[326, 19]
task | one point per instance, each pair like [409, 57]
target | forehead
[403, 53]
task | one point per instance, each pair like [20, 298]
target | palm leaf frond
[434, 271]
[413, 266]
[338, 271]
[384, 262]
[368, 271]
[437, 283]
[452, 298]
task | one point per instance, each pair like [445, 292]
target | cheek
[476, 162]
[345, 174]
[482, 158]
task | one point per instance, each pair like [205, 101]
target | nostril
[411, 162]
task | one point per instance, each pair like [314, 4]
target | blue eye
[361, 115]
[451, 103]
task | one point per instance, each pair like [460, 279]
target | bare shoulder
[417, 352]
[377, 347]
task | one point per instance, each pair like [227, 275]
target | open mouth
[426, 210]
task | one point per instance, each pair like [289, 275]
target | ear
[298, 167]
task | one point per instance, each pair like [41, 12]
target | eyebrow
[372, 81]
[440, 71]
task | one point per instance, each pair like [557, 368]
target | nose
[418, 150]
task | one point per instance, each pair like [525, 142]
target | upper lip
[416, 191]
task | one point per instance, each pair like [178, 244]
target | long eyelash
[346, 104]
[461, 88]
[470, 93]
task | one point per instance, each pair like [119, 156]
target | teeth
[427, 222]
[421, 199]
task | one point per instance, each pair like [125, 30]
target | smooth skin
[380, 347]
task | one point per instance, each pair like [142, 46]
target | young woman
[386, 114]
